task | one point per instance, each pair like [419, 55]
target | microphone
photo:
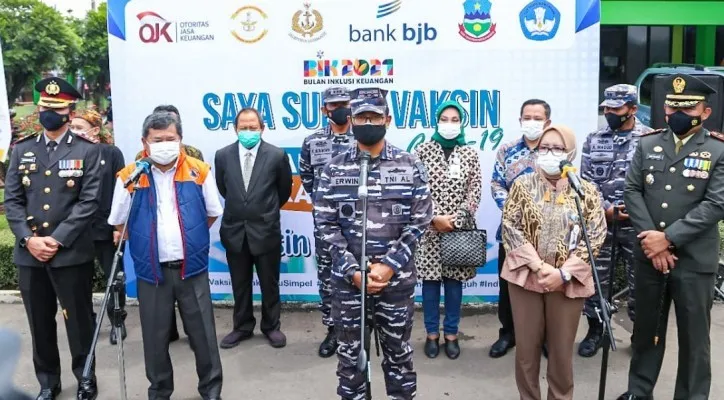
[363, 167]
[142, 167]
[569, 171]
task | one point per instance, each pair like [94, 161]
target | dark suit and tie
[255, 183]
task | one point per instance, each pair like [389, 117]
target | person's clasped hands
[378, 278]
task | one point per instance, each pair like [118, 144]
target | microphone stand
[604, 312]
[115, 284]
[607, 340]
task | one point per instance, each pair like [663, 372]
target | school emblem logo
[307, 25]
[477, 25]
[539, 20]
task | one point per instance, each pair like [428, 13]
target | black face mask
[681, 124]
[616, 121]
[339, 115]
[53, 121]
[369, 135]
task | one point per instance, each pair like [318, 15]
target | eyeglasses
[557, 151]
[361, 120]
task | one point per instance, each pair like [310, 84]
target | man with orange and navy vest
[175, 203]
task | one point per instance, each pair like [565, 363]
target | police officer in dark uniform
[88, 123]
[675, 198]
[399, 211]
[317, 150]
[51, 196]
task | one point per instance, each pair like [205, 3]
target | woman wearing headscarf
[89, 124]
[547, 264]
[454, 181]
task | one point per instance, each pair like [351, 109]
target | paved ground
[255, 371]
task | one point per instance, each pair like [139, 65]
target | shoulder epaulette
[24, 138]
[654, 132]
[717, 135]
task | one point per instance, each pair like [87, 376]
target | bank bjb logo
[539, 20]
[154, 28]
[477, 25]
[249, 24]
[307, 25]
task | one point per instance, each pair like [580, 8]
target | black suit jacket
[39, 200]
[253, 214]
[111, 162]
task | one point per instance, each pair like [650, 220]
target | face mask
[681, 124]
[164, 153]
[339, 115]
[53, 121]
[369, 135]
[249, 139]
[532, 129]
[616, 121]
[448, 130]
[551, 164]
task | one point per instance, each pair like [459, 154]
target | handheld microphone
[569, 171]
[363, 167]
[142, 167]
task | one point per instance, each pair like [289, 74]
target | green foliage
[35, 38]
[93, 57]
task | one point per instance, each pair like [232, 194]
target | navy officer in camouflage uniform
[606, 158]
[317, 150]
[399, 211]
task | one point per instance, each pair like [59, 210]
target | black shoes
[452, 348]
[593, 340]
[233, 338]
[629, 396]
[329, 344]
[113, 338]
[432, 347]
[501, 347]
[49, 394]
[87, 390]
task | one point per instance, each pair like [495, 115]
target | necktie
[51, 146]
[248, 166]
[679, 145]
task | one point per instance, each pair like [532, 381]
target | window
[645, 90]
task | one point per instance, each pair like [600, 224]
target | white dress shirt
[242, 156]
[170, 242]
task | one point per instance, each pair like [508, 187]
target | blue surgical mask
[249, 139]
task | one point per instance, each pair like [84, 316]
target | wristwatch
[565, 275]
[24, 241]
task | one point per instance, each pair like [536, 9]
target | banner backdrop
[5, 127]
[211, 59]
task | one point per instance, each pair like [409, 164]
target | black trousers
[156, 308]
[105, 250]
[241, 268]
[505, 311]
[72, 286]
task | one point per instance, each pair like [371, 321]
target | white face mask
[448, 130]
[164, 153]
[532, 129]
[551, 164]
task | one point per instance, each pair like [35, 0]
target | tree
[35, 38]
[94, 52]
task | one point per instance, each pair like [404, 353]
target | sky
[79, 7]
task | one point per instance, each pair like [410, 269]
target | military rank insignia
[70, 168]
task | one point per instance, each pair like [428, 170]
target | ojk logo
[154, 28]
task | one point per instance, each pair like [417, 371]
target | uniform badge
[52, 88]
[21, 167]
[685, 173]
[649, 179]
[347, 209]
[29, 154]
[70, 183]
[678, 84]
[657, 157]
[705, 155]
[694, 154]
[397, 209]
[33, 167]
[658, 149]
[690, 188]
[704, 175]
[26, 181]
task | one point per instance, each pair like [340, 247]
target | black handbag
[466, 246]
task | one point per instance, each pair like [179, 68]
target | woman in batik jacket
[547, 264]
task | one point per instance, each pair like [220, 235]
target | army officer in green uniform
[51, 196]
[674, 195]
